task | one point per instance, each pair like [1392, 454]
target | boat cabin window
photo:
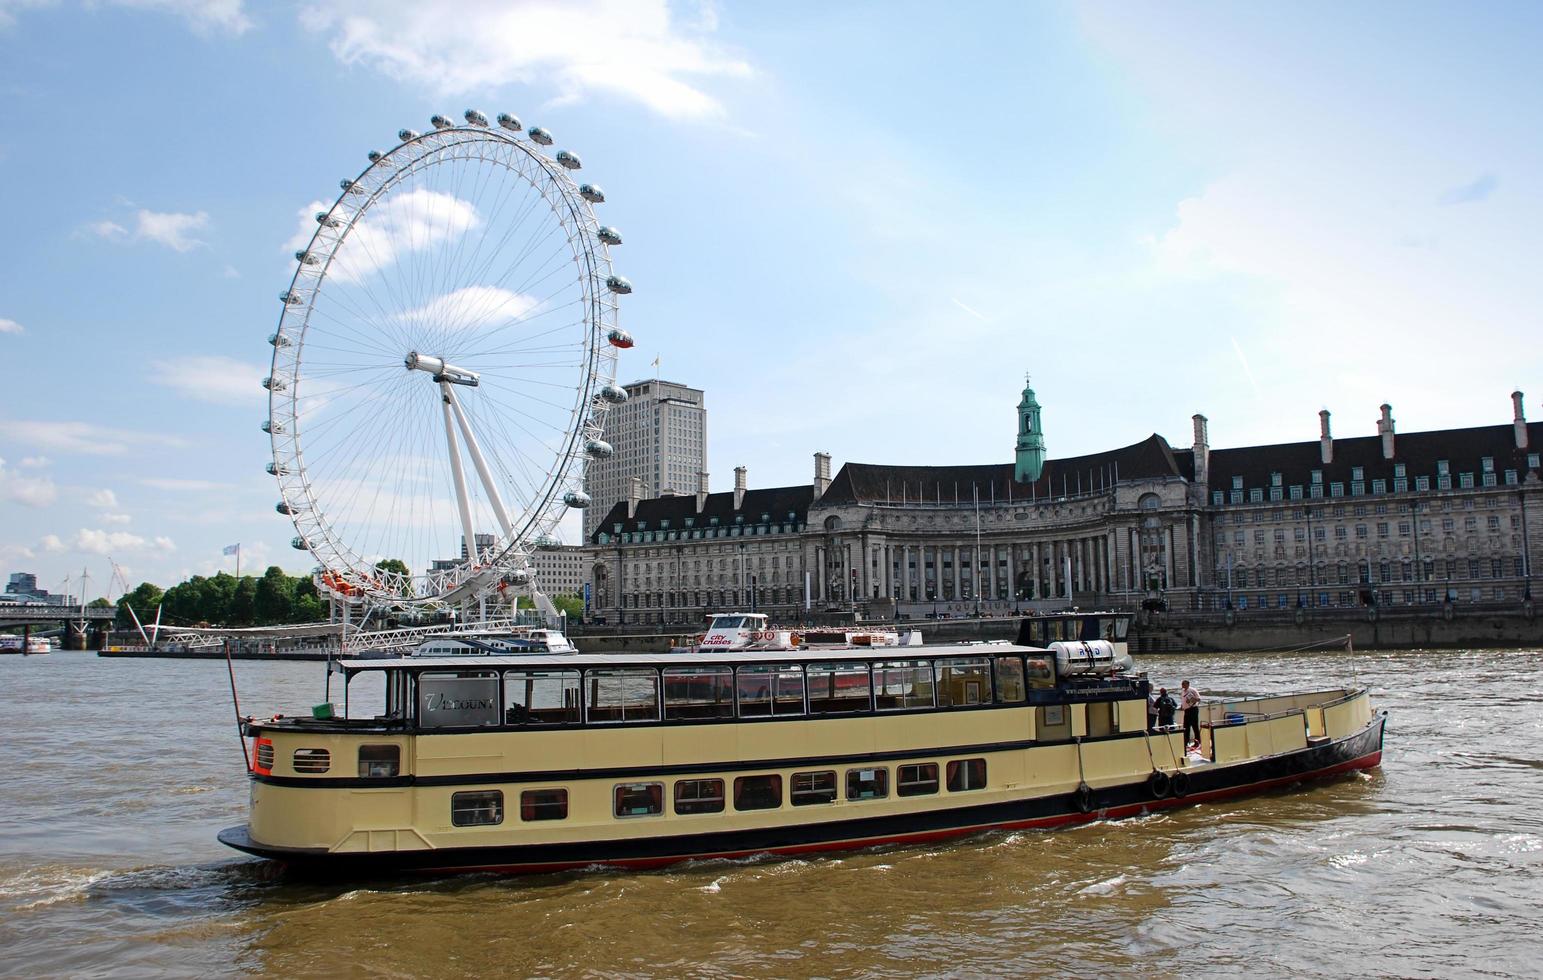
[480, 808]
[638, 799]
[1010, 683]
[728, 622]
[902, 684]
[692, 693]
[810, 788]
[457, 699]
[534, 698]
[698, 796]
[767, 691]
[966, 774]
[312, 760]
[838, 688]
[918, 780]
[1040, 671]
[867, 784]
[758, 792]
[962, 683]
[379, 761]
[621, 696]
[544, 804]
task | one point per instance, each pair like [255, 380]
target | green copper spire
[1031, 438]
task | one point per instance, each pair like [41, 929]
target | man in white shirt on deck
[1189, 700]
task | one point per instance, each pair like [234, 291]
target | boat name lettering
[442, 702]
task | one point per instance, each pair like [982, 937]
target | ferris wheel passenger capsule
[349, 187]
[618, 285]
[599, 449]
[274, 469]
[511, 123]
[278, 340]
[570, 161]
[518, 577]
[291, 299]
[286, 508]
[539, 135]
[609, 235]
[476, 118]
[273, 428]
[325, 218]
[375, 156]
[407, 135]
[299, 544]
[592, 193]
[306, 258]
[548, 543]
[274, 384]
[613, 393]
[440, 122]
[576, 499]
[619, 338]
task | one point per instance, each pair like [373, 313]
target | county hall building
[1393, 519]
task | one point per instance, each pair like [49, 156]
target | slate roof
[1464, 450]
[1151, 458]
[775, 501]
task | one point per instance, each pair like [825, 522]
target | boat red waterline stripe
[1369, 761]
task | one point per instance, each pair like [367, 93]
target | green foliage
[393, 565]
[571, 605]
[222, 600]
[100, 602]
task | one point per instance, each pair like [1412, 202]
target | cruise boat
[483, 644]
[31, 646]
[753, 631]
[542, 762]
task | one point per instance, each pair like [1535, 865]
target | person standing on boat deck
[1166, 706]
[1189, 698]
[1151, 711]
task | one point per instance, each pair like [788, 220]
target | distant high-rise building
[660, 437]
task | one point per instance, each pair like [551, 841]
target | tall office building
[660, 436]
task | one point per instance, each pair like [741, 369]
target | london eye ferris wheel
[444, 363]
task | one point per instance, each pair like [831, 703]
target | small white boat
[495, 644]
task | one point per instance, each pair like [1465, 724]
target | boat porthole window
[544, 804]
[867, 784]
[312, 760]
[810, 788]
[758, 792]
[379, 761]
[478, 808]
[966, 774]
[698, 796]
[638, 799]
[917, 780]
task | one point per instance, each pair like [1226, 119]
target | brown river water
[115, 776]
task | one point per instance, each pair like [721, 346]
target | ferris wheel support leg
[494, 500]
[461, 499]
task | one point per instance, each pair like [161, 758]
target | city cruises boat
[544, 762]
[754, 631]
[31, 646]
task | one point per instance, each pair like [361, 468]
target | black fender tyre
[1082, 798]
[1158, 784]
[1178, 783]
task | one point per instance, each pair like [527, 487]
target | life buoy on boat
[1083, 798]
[1179, 783]
[1158, 784]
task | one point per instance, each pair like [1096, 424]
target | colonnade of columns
[869, 566]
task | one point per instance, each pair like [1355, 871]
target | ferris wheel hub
[441, 369]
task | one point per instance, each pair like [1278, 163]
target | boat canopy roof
[558, 661]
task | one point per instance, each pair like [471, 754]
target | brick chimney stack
[1520, 419]
[634, 493]
[1325, 438]
[701, 491]
[1202, 451]
[821, 474]
[739, 486]
[1385, 429]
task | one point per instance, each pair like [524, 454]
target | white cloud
[203, 16]
[164, 544]
[10, 326]
[51, 543]
[98, 542]
[102, 498]
[629, 49]
[83, 438]
[416, 220]
[110, 230]
[474, 307]
[111, 518]
[8, 9]
[172, 229]
[30, 491]
[212, 378]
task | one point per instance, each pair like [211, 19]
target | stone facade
[1429, 518]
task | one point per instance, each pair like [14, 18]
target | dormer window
[1237, 483]
[1357, 472]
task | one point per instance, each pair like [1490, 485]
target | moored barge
[544, 762]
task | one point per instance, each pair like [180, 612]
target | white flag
[231, 549]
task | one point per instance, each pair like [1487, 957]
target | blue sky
[856, 226]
